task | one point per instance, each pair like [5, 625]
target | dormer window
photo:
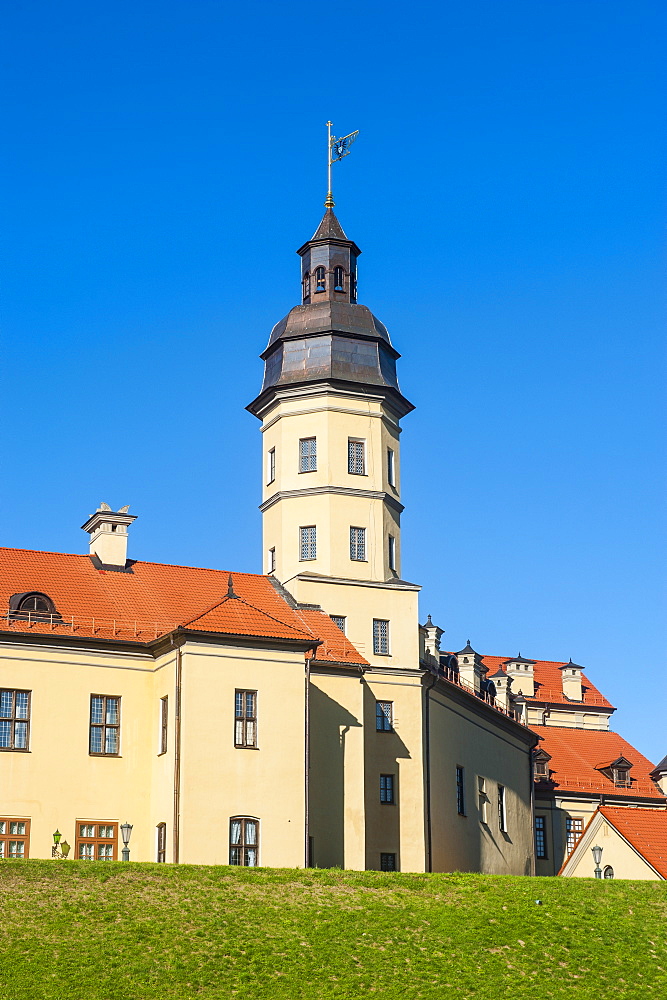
[617, 771]
[541, 765]
[339, 279]
[306, 286]
[33, 607]
[320, 279]
[621, 777]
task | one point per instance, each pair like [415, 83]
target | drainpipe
[177, 757]
[427, 721]
[306, 759]
[531, 778]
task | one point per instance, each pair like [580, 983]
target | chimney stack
[522, 673]
[108, 535]
[571, 674]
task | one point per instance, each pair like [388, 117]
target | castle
[302, 716]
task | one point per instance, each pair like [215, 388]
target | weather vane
[336, 150]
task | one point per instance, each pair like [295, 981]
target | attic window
[33, 606]
[541, 764]
[621, 777]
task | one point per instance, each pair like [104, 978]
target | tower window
[356, 459]
[353, 288]
[384, 715]
[271, 561]
[245, 719]
[271, 466]
[380, 637]
[308, 542]
[320, 279]
[339, 621]
[339, 278]
[308, 455]
[391, 470]
[387, 789]
[392, 552]
[306, 285]
[358, 544]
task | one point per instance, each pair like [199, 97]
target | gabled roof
[152, 599]
[645, 829]
[575, 759]
[549, 683]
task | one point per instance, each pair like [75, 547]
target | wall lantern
[64, 847]
[126, 833]
[597, 858]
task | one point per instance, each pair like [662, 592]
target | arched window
[306, 285]
[608, 872]
[243, 841]
[33, 606]
[339, 278]
[320, 279]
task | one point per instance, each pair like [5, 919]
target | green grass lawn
[101, 931]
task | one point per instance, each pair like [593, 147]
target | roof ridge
[229, 597]
[140, 562]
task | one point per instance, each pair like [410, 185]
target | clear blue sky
[162, 163]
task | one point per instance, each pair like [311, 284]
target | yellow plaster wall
[465, 736]
[625, 861]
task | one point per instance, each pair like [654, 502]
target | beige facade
[620, 858]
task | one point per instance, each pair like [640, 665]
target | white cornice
[308, 491]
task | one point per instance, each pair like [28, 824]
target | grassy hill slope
[101, 931]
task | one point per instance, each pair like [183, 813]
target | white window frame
[357, 544]
[356, 446]
[391, 554]
[391, 467]
[340, 621]
[381, 645]
[502, 808]
[270, 466]
[307, 456]
[307, 543]
[271, 560]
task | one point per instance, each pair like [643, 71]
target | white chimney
[571, 674]
[502, 683]
[522, 673]
[108, 535]
[471, 668]
[432, 638]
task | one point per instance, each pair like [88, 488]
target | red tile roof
[155, 598]
[645, 829]
[575, 759]
[549, 683]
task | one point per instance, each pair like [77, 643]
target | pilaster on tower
[330, 407]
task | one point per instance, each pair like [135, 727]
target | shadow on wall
[330, 723]
[382, 752]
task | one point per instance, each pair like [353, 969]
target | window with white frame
[161, 832]
[482, 799]
[270, 466]
[391, 468]
[271, 561]
[308, 542]
[308, 455]
[340, 621]
[243, 841]
[14, 837]
[380, 637]
[391, 542]
[356, 457]
[245, 719]
[164, 723]
[104, 737]
[14, 719]
[358, 544]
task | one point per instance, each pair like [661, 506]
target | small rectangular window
[540, 837]
[161, 831]
[270, 466]
[308, 455]
[574, 827]
[308, 542]
[14, 719]
[380, 637]
[356, 458]
[104, 725]
[164, 722]
[460, 792]
[384, 716]
[96, 841]
[391, 470]
[387, 862]
[392, 552]
[340, 621]
[243, 841]
[387, 789]
[14, 837]
[482, 799]
[245, 719]
[358, 544]
[502, 817]
[271, 561]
